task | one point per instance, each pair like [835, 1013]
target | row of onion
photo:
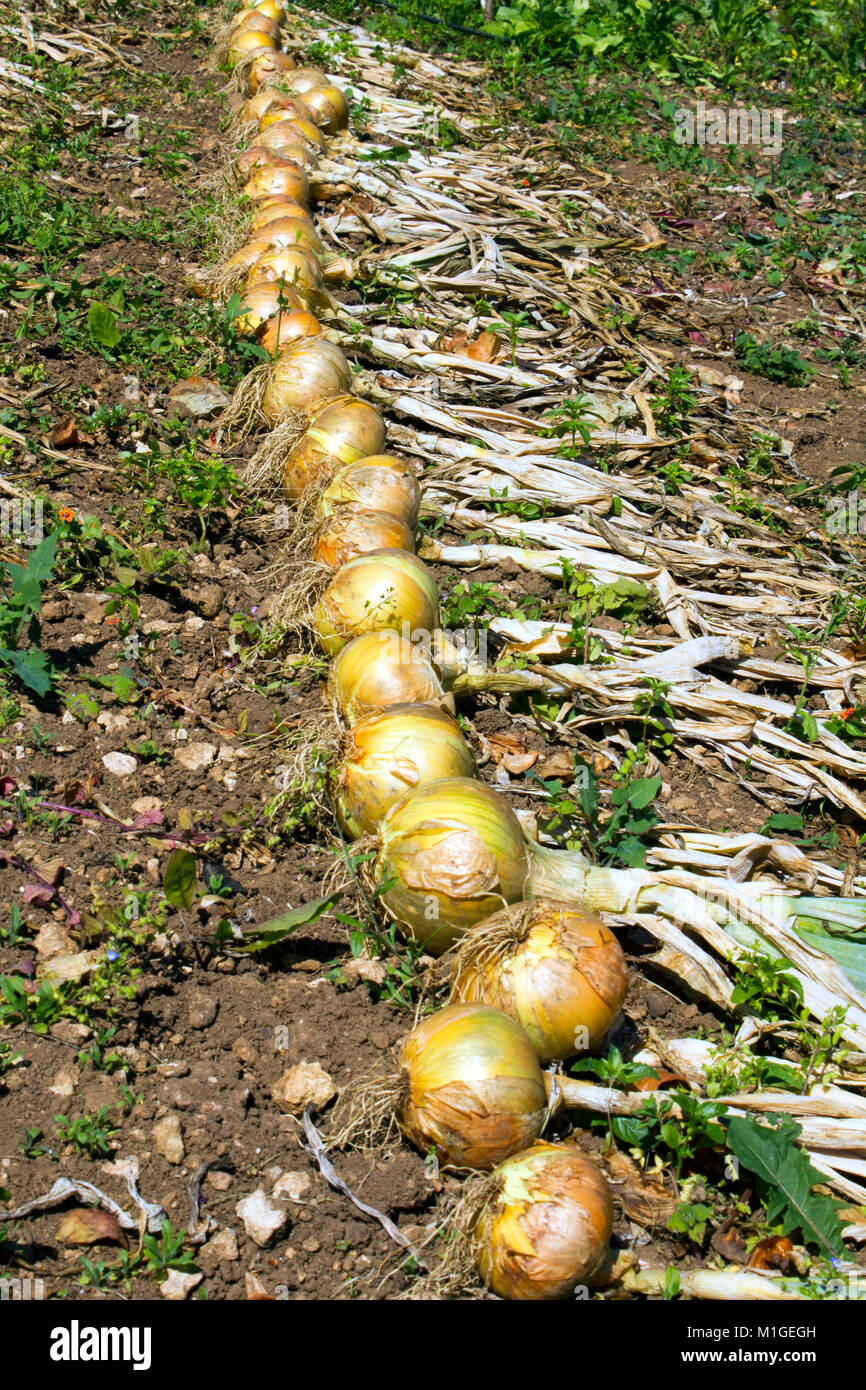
[535, 979]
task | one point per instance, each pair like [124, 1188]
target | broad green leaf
[785, 1179]
[259, 938]
[31, 667]
[178, 882]
[102, 322]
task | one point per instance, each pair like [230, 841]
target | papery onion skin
[285, 109]
[286, 231]
[272, 9]
[379, 670]
[456, 851]
[387, 589]
[306, 79]
[378, 482]
[244, 41]
[352, 531]
[253, 21]
[328, 108]
[471, 1087]
[548, 1228]
[267, 69]
[279, 209]
[264, 301]
[387, 754]
[307, 371]
[286, 177]
[559, 971]
[287, 327]
[293, 265]
[344, 430]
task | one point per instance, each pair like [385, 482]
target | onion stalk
[387, 754]
[559, 971]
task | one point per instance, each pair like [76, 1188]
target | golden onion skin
[386, 589]
[328, 108]
[293, 265]
[308, 371]
[287, 328]
[559, 971]
[283, 177]
[471, 1087]
[381, 669]
[388, 754]
[263, 301]
[548, 1227]
[268, 68]
[351, 531]
[245, 41]
[282, 110]
[253, 21]
[456, 851]
[378, 482]
[307, 80]
[342, 431]
[279, 210]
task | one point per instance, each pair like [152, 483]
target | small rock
[219, 1180]
[65, 1081]
[65, 967]
[292, 1186]
[143, 804]
[179, 1286]
[112, 723]
[119, 764]
[222, 1246]
[168, 1137]
[171, 1070]
[263, 1220]
[243, 1048]
[373, 972]
[202, 1009]
[380, 1039]
[53, 611]
[305, 1084]
[195, 757]
[312, 1245]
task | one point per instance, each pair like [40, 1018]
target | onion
[284, 138]
[270, 102]
[560, 972]
[387, 754]
[351, 531]
[287, 231]
[547, 1228]
[288, 109]
[306, 79]
[328, 108]
[309, 131]
[256, 157]
[376, 482]
[379, 670]
[308, 371]
[245, 41]
[271, 8]
[286, 328]
[279, 209]
[286, 178]
[456, 852]
[253, 21]
[245, 258]
[265, 301]
[343, 431]
[267, 69]
[293, 265]
[387, 589]
[471, 1087]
